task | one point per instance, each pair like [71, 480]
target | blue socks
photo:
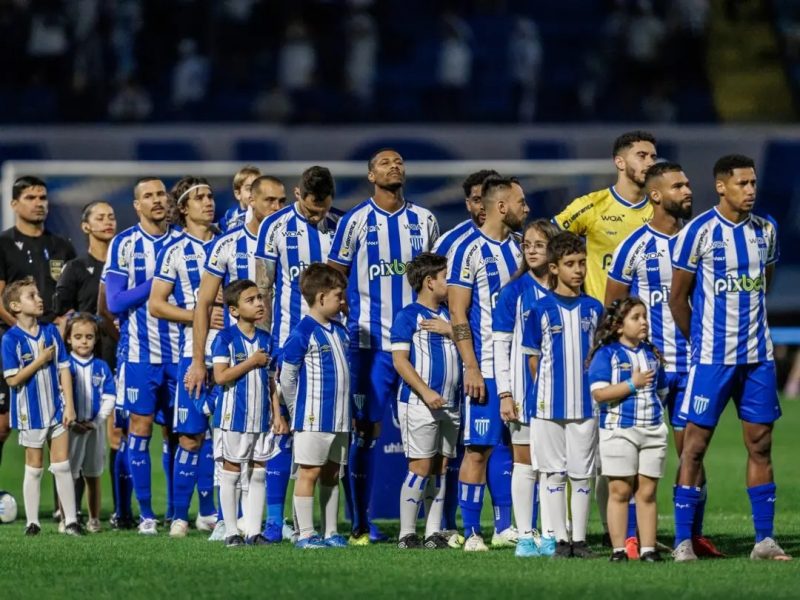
[762, 503]
[139, 455]
[359, 465]
[183, 481]
[631, 519]
[122, 481]
[205, 479]
[451, 492]
[279, 469]
[535, 504]
[470, 499]
[686, 500]
[167, 457]
[700, 513]
[498, 478]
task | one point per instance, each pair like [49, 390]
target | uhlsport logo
[700, 404]
[739, 283]
[387, 269]
[481, 426]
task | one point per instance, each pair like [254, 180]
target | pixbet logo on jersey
[387, 269]
[660, 295]
[739, 283]
[296, 270]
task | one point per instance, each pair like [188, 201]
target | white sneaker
[537, 537]
[684, 552]
[240, 525]
[218, 535]
[93, 526]
[178, 529]
[206, 523]
[768, 549]
[475, 543]
[454, 539]
[288, 532]
[148, 527]
[505, 539]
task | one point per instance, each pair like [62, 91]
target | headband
[194, 187]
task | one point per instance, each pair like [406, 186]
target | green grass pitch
[116, 564]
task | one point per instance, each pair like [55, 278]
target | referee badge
[56, 266]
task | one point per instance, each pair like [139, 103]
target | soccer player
[36, 367]
[608, 216]
[150, 346]
[315, 378]
[232, 257]
[172, 298]
[642, 266]
[557, 338]
[242, 417]
[242, 182]
[513, 377]
[627, 380]
[289, 241]
[94, 394]
[723, 262]
[374, 242]
[479, 266]
[425, 356]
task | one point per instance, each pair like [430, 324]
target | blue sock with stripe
[700, 512]
[122, 481]
[631, 519]
[139, 457]
[535, 503]
[279, 470]
[498, 479]
[686, 499]
[205, 479]
[762, 504]
[411, 497]
[470, 500]
[167, 461]
[183, 482]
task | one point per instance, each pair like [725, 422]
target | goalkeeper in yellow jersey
[608, 216]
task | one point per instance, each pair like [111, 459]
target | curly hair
[608, 329]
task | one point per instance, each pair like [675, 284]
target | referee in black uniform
[28, 249]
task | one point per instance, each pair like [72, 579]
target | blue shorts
[373, 382]
[188, 415]
[482, 423]
[752, 387]
[676, 388]
[150, 390]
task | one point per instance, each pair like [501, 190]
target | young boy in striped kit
[425, 356]
[315, 378]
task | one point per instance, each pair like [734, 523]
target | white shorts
[315, 448]
[87, 453]
[36, 438]
[425, 432]
[520, 433]
[239, 447]
[565, 446]
[629, 451]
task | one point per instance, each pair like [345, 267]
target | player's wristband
[505, 395]
[631, 386]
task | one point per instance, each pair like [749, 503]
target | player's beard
[676, 210]
[391, 187]
[631, 174]
[513, 222]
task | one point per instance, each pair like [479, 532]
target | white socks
[434, 504]
[552, 495]
[523, 482]
[580, 502]
[254, 504]
[411, 493]
[31, 493]
[329, 509]
[304, 508]
[227, 498]
[66, 490]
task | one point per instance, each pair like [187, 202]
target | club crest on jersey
[56, 266]
[700, 404]
[586, 324]
[359, 400]
[416, 242]
[481, 426]
[97, 380]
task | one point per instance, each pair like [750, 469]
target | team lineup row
[573, 389]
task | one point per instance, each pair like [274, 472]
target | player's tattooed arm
[460, 298]
[462, 332]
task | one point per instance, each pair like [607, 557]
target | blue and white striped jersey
[315, 377]
[232, 218]
[450, 239]
[376, 246]
[232, 257]
[643, 261]
[614, 363]
[560, 331]
[133, 255]
[513, 307]
[729, 313]
[434, 356]
[291, 243]
[180, 264]
[483, 266]
[38, 403]
[92, 384]
[243, 405]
